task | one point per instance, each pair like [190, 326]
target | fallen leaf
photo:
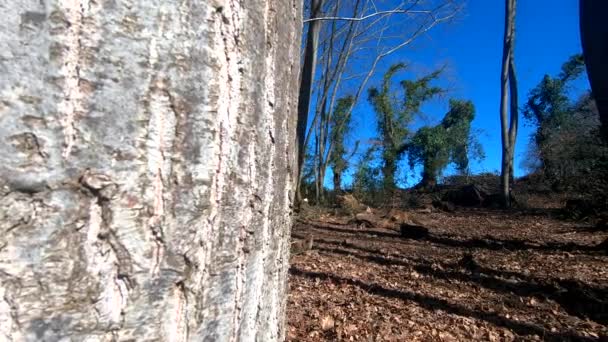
[327, 323]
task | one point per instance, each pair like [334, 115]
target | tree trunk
[508, 89]
[429, 178]
[514, 105]
[306, 78]
[594, 38]
[388, 172]
[147, 169]
[337, 181]
[322, 136]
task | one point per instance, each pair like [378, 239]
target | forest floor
[480, 275]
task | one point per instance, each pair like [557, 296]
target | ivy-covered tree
[429, 147]
[566, 142]
[548, 106]
[341, 125]
[448, 142]
[367, 181]
[395, 114]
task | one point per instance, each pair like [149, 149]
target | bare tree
[509, 115]
[147, 169]
[361, 33]
[309, 66]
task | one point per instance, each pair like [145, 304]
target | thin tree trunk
[147, 169]
[306, 79]
[317, 175]
[322, 133]
[388, 171]
[331, 83]
[337, 181]
[514, 108]
[508, 83]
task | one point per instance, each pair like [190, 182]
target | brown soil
[478, 275]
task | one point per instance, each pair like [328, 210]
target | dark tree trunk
[429, 179]
[594, 37]
[388, 172]
[305, 90]
[337, 181]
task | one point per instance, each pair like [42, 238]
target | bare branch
[368, 16]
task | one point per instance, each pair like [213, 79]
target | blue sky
[471, 48]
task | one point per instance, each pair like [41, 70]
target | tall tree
[509, 116]
[568, 149]
[395, 114]
[147, 169]
[309, 66]
[548, 106]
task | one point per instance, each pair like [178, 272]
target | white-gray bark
[147, 168]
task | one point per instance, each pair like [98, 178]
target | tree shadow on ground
[576, 298]
[354, 231]
[488, 243]
[431, 303]
[491, 243]
[485, 212]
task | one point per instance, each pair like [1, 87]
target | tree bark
[508, 90]
[514, 106]
[147, 169]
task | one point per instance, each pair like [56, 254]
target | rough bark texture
[147, 168]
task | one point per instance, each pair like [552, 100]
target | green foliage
[566, 144]
[429, 147]
[573, 155]
[457, 127]
[435, 147]
[548, 106]
[392, 120]
[573, 68]
[547, 102]
[419, 91]
[367, 180]
[394, 115]
[341, 125]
